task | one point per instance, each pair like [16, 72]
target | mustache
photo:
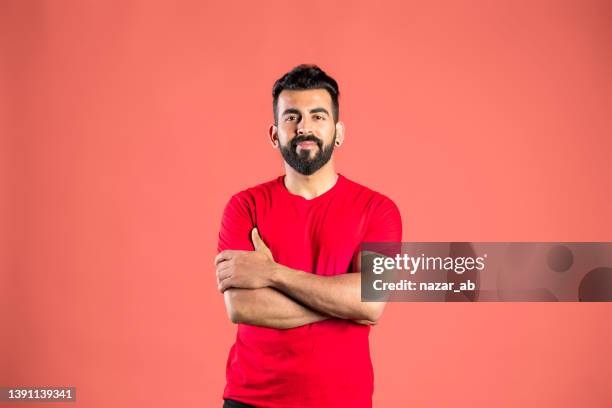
[307, 138]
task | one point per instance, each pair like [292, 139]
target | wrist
[276, 274]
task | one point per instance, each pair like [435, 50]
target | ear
[273, 134]
[339, 133]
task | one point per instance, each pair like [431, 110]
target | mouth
[307, 145]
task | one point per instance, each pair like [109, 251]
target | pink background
[127, 125]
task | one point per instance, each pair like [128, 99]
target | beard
[302, 162]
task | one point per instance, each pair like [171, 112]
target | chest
[321, 238]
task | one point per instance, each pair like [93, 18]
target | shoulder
[384, 221]
[239, 216]
[260, 192]
[375, 199]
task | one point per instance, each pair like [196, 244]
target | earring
[337, 143]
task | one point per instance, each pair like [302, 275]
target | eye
[290, 118]
[319, 117]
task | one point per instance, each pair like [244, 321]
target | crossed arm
[268, 307]
[261, 292]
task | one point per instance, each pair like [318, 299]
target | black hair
[302, 77]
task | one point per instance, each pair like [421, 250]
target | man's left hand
[245, 269]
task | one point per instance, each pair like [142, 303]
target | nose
[303, 127]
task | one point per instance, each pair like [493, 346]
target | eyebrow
[297, 112]
[319, 110]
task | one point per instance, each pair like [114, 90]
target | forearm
[268, 307]
[338, 296]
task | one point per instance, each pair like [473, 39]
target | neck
[311, 186]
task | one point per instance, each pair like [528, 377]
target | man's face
[306, 129]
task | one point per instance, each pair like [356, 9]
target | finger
[224, 265]
[259, 245]
[224, 256]
[223, 270]
[223, 273]
[224, 285]
[257, 241]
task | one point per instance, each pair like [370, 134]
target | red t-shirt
[323, 364]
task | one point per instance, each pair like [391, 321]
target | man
[287, 250]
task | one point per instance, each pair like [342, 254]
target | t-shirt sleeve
[236, 225]
[385, 224]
